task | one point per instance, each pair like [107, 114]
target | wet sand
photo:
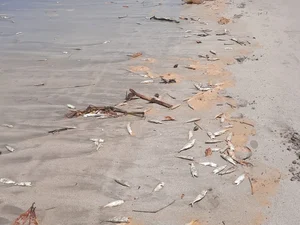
[78, 51]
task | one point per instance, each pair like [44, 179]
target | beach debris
[192, 120]
[159, 187]
[197, 126]
[223, 21]
[191, 67]
[199, 197]
[155, 121]
[151, 100]
[169, 118]
[175, 66]
[237, 41]
[214, 141]
[121, 17]
[210, 135]
[122, 182]
[193, 170]
[229, 136]
[7, 125]
[164, 19]
[208, 152]
[9, 148]
[194, 1]
[240, 59]
[211, 164]
[203, 34]
[228, 158]
[71, 106]
[186, 157]
[154, 211]
[213, 52]
[98, 142]
[114, 204]
[190, 134]
[7, 18]
[175, 106]
[147, 81]
[119, 219]
[240, 179]
[167, 81]
[60, 129]
[187, 146]
[129, 129]
[8, 181]
[220, 132]
[219, 115]
[219, 169]
[29, 217]
[243, 122]
[135, 55]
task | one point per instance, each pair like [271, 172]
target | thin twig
[154, 211]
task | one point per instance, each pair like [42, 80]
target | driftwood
[149, 99]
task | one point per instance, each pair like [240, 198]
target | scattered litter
[219, 169]
[208, 152]
[211, 164]
[159, 187]
[193, 170]
[119, 219]
[241, 5]
[97, 142]
[223, 21]
[28, 217]
[240, 179]
[175, 66]
[243, 152]
[135, 55]
[211, 135]
[228, 171]
[7, 125]
[154, 211]
[8, 181]
[147, 81]
[155, 121]
[190, 158]
[9, 148]
[192, 120]
[213, 59]
[220, 132]
[18, 33]
[187, 36]
[164, 19]
[190, 134]
[213, 141]
[175, 106]
[129, 129]
[228, 158]
[60, 129]
[114, 204]
[199, 197]
[201, 88]
[189, 145]
[229, 137]
[71, 106]
[23, 184]
[193, 222]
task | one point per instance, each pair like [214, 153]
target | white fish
[189, 145]
[209, 164]
[228, 126]
[114, 203]
[228, 158]
[220, 132]
[119, 219]
[7, 181]
[219, 115]
[159, 187]
[147, 81]
[193, 170]
[175, 106]
[213, 52]
[100, 115]
[10, 149]
[155, 121]
[197, 86]
[129, 129]
[211, 135]
[7, 125]
[229, 137]
[230, 145]
[213, 141]
[199, 197]
[240, 179]
[190, 134]
[219, 169]
[71, 106]
[223, 117]
[215, 149]
[193, 120]
[224, 149]
[122, 182]
[229, 170]
[24, 184]
[191, 158]
[97, 142]
[105, 42]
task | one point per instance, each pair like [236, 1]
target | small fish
[189, 145]
[219, 169]
[105, 42]
[193, 120]
[193, 222]
[129, 129]
[204, 88]
[229, 137]
[209, 164]
[211, 135]
[213, 52]
[190, 134]
[175, 106]
[147, 81]
[24, 184]
[228, 158]
[155, 121]
[71, 106]
[197, 86]
[215, 149]
[97, 142]
[223, 117]
[7, 125]
[240, 179]
[190, 158]
[230, 145]
[228, 171]
[213, 59]
[199, 197]
[213, 141]
[220, 132]
[219, 115]
[119, 219]
[122, 182]
[114, 203]
[224, 149]
[10, 149]
[193, 170]
[228, 126]
[7, 181]
[159, 187]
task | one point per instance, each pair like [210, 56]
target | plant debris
[60, 129]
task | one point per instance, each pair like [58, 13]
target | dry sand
[67, 44]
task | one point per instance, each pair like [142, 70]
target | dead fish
[230, 145]
[193, 120]
[209, 164]
[223, 117]
[155, 121]
[159, 187]
[220, 132]
[199, 197]
[190, 158]
[228, 171]
[213, 141]
[24, 184]
[219, 115]
[215, 149]
[211, 135]
[97, 142]
[240, 179]
[219, 169]
[175, 106]
[122, 182]
[147, 81]
[228, 158]
[190, 134]
[213, 59]
[224, 149]
[189, 145]
[10, 149]
[193, 222]
[228, 126]
[197, 86]
[114, 203]
[213, 52]
[129, 129]
[229, 137]
[193, 170]
[71, 106]
[7, 125]
[119, 219]
[7, 181]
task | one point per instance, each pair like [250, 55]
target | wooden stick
[151, 100]
[154, 211]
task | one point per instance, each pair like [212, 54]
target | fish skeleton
[199, 197]
[159, 187]
[213, 141]
[228, 171]
[119, 219]
[129, 129]
[220, 132]
[114, 203]
[219, 169]
[209, 164]
[191, 158]
[211, 135]
[190, 134]
[193, 170]
[193, 120]
[188, 146]
[240, 179]
[155, 121]
[229, 137]
[10, 149]
[228, 158]
[122, 182]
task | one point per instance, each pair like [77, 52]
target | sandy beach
[244, 57]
